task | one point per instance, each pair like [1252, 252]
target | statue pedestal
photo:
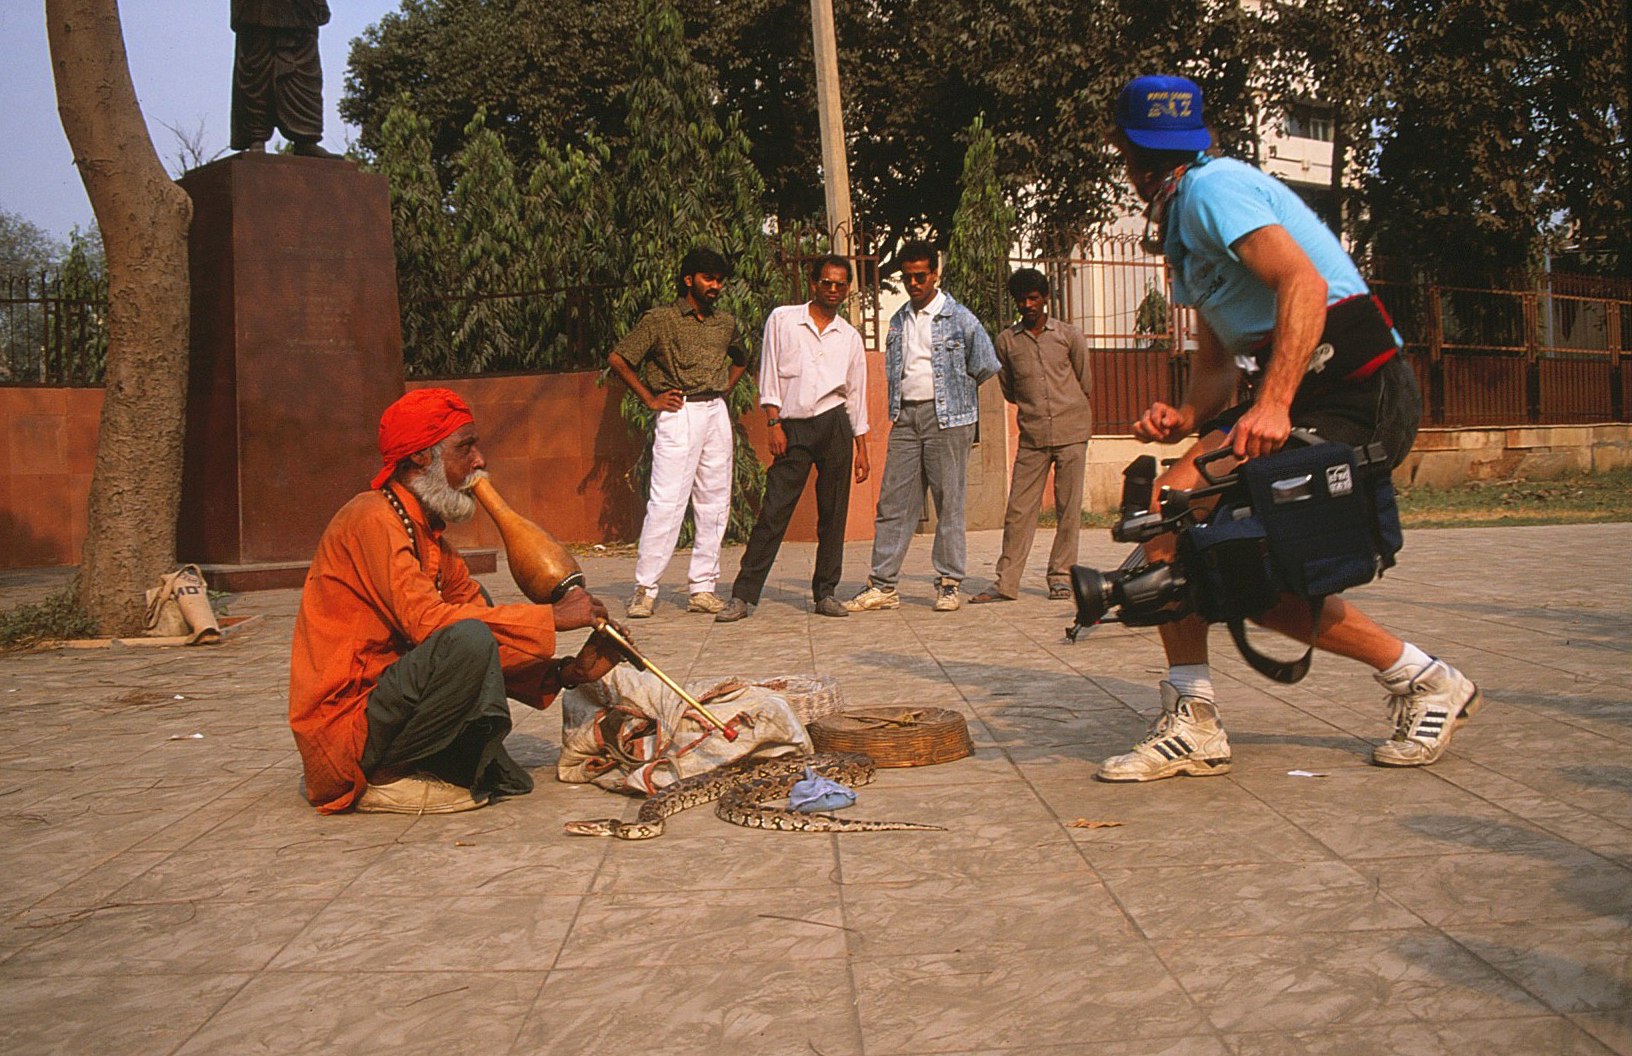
[296, 349]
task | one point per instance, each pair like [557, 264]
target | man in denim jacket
[935, 357]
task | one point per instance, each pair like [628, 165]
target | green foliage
[488, 239]
[25, 248]
[1152, 317]
[568, 213]
[422, 233]
[57, 618]
[1505, 117]
[977, 258]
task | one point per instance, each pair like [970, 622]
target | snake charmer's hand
[594, 660]
[578, 609]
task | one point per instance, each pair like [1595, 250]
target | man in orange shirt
[401, 666]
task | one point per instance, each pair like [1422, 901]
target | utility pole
[835, 163]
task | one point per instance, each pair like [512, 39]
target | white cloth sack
[631, 733]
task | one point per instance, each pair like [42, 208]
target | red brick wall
[555, 445]
[47, 452]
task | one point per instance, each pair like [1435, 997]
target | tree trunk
[144, 217]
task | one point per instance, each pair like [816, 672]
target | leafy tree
[568, 213]
[422, 233]
[488, 239]
[977, 260]
[25, 248]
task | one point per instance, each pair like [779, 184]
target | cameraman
[1281, 304]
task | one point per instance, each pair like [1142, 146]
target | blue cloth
[814, 792]
[961, 357]
[1219, 202]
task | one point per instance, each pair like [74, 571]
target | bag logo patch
[1339, 481]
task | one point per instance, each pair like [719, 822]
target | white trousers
[691, 462]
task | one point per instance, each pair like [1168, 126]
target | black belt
[703, 397]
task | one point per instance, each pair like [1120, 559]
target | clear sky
[180, 55]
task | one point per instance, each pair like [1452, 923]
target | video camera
[1308, 520]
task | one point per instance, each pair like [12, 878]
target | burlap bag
[630, 733]
[179, 607]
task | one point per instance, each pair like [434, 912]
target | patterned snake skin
[741, 791]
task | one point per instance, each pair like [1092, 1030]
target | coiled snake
[742, 792]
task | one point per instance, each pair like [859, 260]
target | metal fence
[53, 330]
[1553, 355]
[1556, 353]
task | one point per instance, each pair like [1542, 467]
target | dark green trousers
[441, 708]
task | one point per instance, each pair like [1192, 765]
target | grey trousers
[1031, 466]
[921, 454]
[441, 708]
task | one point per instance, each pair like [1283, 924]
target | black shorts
[1385, 407]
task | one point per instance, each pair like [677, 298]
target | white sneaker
[1186, 739]
[705, 601]
[1427, 709]
[642, 605]
[874, 598]
[946, 595]
[418, 794]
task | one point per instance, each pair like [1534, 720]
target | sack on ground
[631, 733]
[179, 607]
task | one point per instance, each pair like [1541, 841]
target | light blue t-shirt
[1219, 202]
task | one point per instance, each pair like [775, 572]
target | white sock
[1412, 660]
[1192, 680]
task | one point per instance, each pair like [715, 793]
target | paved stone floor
[171, 894]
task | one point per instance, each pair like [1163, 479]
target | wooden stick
[628, 649]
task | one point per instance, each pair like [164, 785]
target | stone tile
[129, 1014]
[1573, 966]
[995, 915]
[430, 1013]
[1614, 1029]
[1259, 899]
[683, 928]
[164, 937]
[1470, 889]
[1495, 1036]
[444, 934]
[728, 859]
[978, 999]
[706, 1010]
[1364, 980]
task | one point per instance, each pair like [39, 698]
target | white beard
[431, 487]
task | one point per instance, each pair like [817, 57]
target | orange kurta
[368, 600]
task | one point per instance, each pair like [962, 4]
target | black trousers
[441, 708]
[826, 443]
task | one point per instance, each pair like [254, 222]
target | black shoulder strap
[1285, 671]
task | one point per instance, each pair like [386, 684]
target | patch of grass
[1600, 497]
[57, 618]
[1493, 503]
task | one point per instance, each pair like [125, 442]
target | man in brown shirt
[681, 360]
[1045, 374]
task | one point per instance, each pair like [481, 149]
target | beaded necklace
[408, 524]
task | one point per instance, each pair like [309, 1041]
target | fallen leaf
[1305, 773]
[1084, 823]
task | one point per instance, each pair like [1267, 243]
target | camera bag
[1322, 518]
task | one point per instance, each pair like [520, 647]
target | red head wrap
[421, 419]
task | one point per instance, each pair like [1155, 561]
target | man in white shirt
[813, 386]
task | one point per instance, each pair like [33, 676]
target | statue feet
[254, 146]
[311, 149]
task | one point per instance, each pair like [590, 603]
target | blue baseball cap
[1159, 112]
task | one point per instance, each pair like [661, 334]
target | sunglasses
[833, 284]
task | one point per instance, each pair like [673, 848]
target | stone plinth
[296, 348]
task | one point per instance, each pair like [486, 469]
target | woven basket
[810, 696]
[898, 736]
